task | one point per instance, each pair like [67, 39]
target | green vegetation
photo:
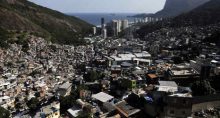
[33, 104]
[86, 113]
[68, 101]
[201, 88]
[203, 15]
[214, 38]
[92, 76]
[4, 113]
[4, 35]
[22, 15]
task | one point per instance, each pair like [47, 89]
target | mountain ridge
[22, 15]
[204, 15]
[174, 8]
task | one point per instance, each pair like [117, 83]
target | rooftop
[74, 111]
[152, 76]
[184, 71]
[103, 97]
[65, 85]
[54, 107]
[142, 54]
[168, 83]
[126, 109]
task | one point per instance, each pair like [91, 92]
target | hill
[203, 15]
[174, 8]
[206, 14]
[22, 15]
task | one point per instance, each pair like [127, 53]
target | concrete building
[177, 107]
[143, 58]
[179, 72]
[115, 27]
[198, 63]
[50, 111]
[126, 110]
[104, 33]
[94, 31]
[167, 86]
[124, 24]
[119, 25]
[64, 89]
[103, 97]
[102, 23]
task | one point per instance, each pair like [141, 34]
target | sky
[103, 6]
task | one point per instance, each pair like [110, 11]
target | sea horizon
[95, 18]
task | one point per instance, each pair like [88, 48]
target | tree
[4, 36]
[33, 104]
[66, 103]
[4, 113]
[86, 112]
[18, 106]
[84, 115]
[91, 76]
[201, 88]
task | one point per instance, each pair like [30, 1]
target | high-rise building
[103, 29]
[104, 33]
[119, 25]
[115, 27]
[102, 23]
[124, 24]
[94, 31]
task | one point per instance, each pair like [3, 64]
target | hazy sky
[110, 6]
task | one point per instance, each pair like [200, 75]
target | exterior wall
[177, 112]
[205, 105]
[129, 83]
[178, 107]
[150, 109]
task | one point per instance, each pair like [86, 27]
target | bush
[4, 113]
[202, 88]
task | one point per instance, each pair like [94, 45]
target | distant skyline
[103, 6]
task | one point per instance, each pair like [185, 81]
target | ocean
[95, 18]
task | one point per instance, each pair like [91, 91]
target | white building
[115, 27]
[167, 86]
[94, 31]
[104, 33]
[137, 58]
[124, 24]
[102, 97]
[119, 25]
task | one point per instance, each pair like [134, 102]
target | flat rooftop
[65, 85]
[183, 71]
[103, 97]
[142, 54]
[126, 109]
[168, 83]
